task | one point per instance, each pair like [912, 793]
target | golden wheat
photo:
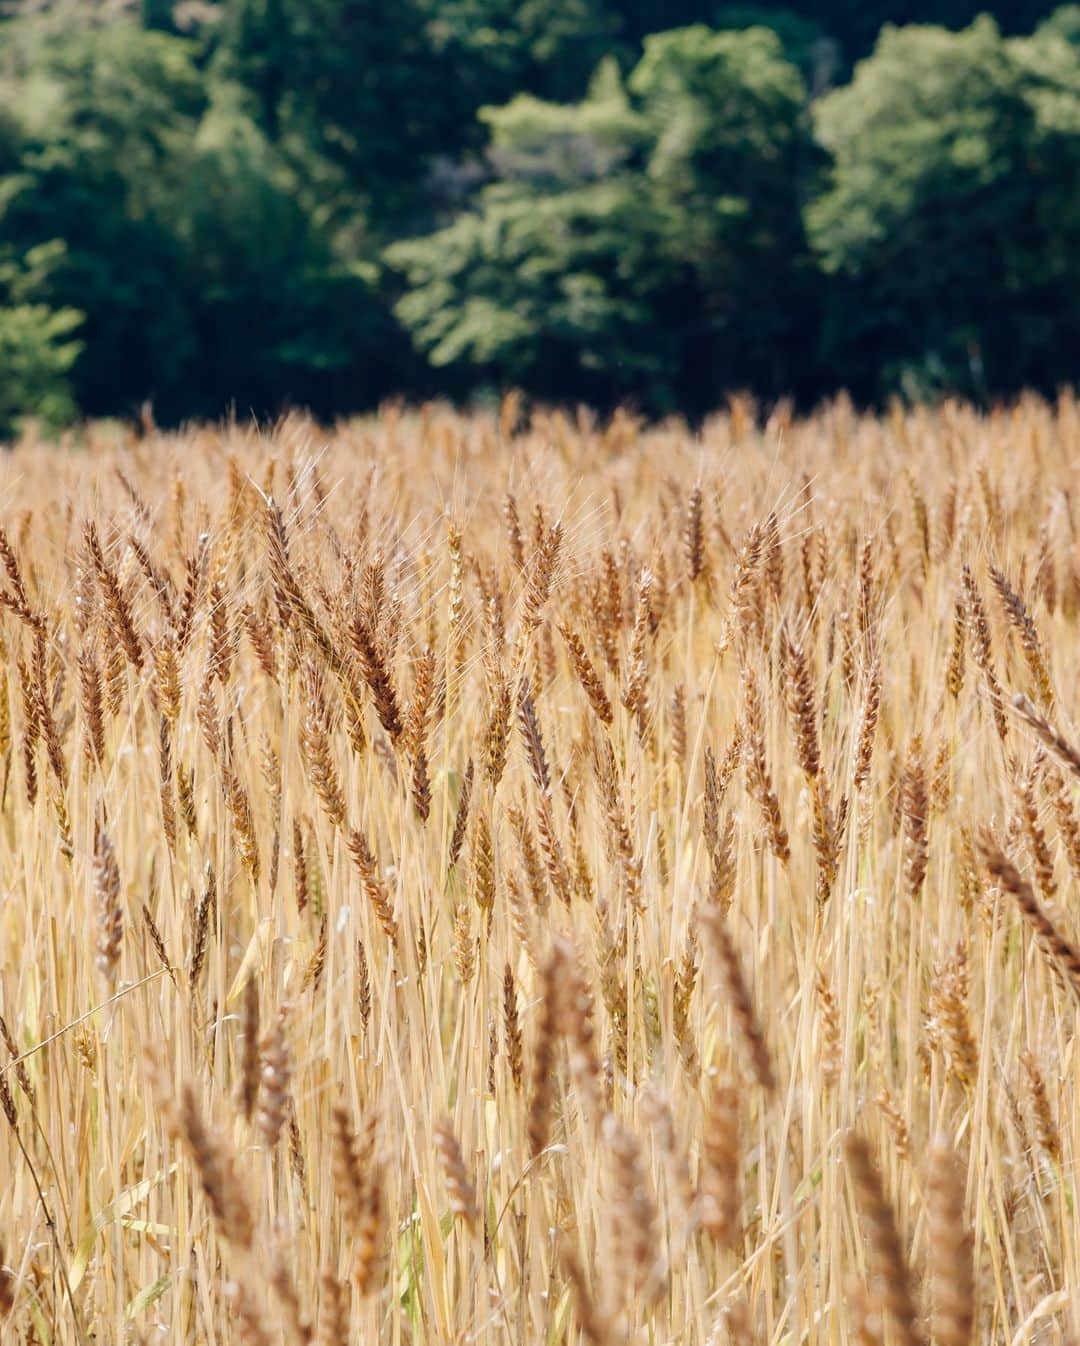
[518, 879]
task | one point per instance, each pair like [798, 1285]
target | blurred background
[256, 204]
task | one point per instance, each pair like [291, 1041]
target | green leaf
[121, 1207]
[148, 1295]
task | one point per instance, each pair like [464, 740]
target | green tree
[389, 93]
[498, 48]
[807, 43]
[208, 259]
[950, 227]
[37, 344]
[856, 23]
[853, 24]
[644, 243]
[278, 315]
[1063, 23]
[36, 355]
[103, 115]
[540, 286]
[729, 164]
[158, 14]
[358, 83]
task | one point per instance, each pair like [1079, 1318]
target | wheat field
[519, 879]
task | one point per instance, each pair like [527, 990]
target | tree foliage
[193, 245]
[633, 245]
[38, 344]
[951, 221]
[260, 203]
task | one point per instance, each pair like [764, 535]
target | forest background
[255, 204]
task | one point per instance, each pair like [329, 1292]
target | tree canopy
[951, 219]
[262, 203]
[635, 245]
